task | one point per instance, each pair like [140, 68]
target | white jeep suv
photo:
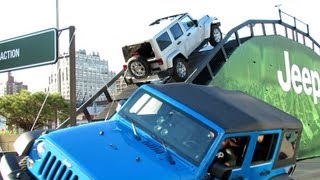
[166, 50]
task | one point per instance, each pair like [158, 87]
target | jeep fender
[171, 57]
[25, 141]
[207, 25]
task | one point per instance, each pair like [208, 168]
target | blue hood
[106, 150]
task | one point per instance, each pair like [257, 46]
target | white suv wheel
[216, 35]
[179, 70]
[139, 67]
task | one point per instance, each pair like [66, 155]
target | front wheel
[179, 70]
[215, 35]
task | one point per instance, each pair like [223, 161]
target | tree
[21, 109]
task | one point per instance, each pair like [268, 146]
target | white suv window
[176, 31]
[187, 23]
[164, 41]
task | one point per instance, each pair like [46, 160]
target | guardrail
[84, 107]
[278, 27]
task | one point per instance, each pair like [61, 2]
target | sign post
[72, 63]
[30, 50]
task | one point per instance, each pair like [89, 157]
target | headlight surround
[41, 149]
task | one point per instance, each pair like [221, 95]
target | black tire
[179, 69]
[138, 67]
[215, 35]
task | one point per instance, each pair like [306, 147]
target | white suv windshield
[177, 130]
[187, 23]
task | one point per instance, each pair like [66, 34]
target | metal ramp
[205, 64]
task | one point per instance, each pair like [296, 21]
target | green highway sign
[35, 49]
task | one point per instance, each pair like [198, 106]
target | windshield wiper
[135, 131]
[171, 160]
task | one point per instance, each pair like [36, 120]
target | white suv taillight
[125, 67]
[160, 61]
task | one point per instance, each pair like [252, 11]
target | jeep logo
[305, 79]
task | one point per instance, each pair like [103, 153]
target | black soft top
[234, 111]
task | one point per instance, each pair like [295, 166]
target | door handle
[179, 42]
[188, 34]
[264, 173]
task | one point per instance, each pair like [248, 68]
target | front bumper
[9, 163]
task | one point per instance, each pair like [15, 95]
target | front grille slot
[52, 168]
[61, 172]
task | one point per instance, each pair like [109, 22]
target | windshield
[177, 130]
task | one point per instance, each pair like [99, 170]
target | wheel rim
[138, 69]
[181, 69]
[216, 35]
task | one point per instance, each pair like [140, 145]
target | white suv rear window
[164, 41]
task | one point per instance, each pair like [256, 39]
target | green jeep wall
[283, 73]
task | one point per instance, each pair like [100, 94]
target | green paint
[253, 68]
[31, 50]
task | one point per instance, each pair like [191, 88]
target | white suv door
[192, 33]
[179, 38]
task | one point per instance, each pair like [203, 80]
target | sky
[105, 26]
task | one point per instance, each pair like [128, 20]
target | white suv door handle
[179, 43]
[188, 34]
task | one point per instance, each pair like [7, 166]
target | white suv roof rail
[165, 18]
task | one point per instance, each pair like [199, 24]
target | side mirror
[196, 23]
[220, 170]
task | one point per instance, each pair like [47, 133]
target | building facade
[13, 87]
[120, 85]
[92, 73]
[3, 89]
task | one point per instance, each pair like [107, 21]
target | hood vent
[154, 147]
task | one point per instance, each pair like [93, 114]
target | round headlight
[41, 149]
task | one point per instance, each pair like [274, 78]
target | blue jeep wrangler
[173, 131]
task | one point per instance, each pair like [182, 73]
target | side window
[187, 23]
[265, 148]
[176, 31]
[232, 151]
[288, 145]
[163, 41]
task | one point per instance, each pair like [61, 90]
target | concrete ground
[308, 169]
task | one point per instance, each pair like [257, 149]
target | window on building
[67, 74]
